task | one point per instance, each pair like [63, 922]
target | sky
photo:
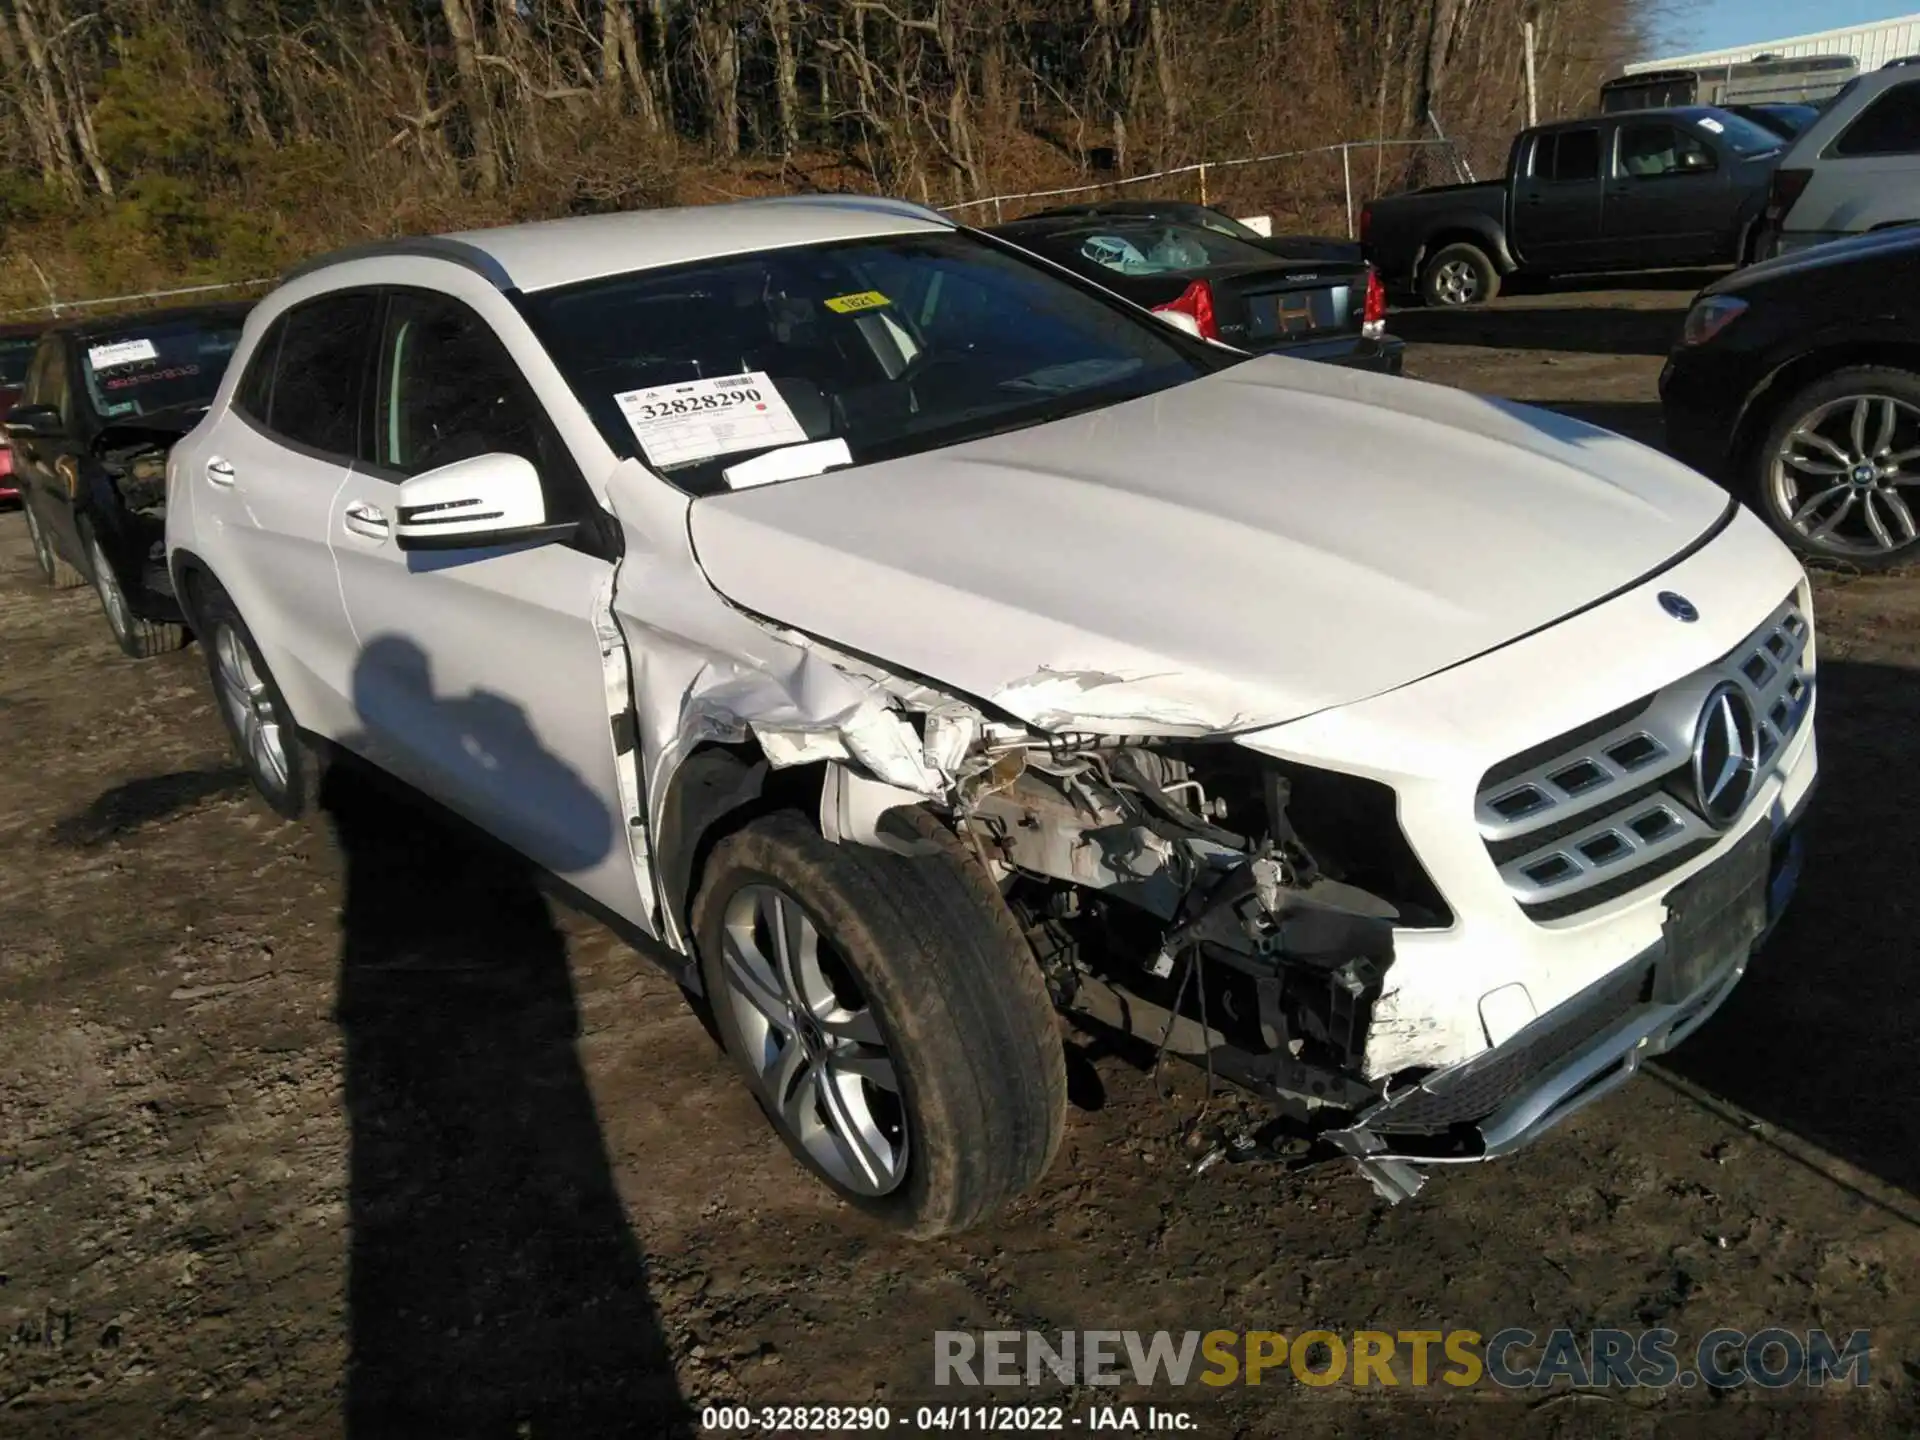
[1717, 24]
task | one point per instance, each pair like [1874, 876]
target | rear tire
[1458, 274]
[920, 1027]
[136, 637]
[284, 764]
[55, 571]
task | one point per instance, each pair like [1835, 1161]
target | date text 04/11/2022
[931, 1419]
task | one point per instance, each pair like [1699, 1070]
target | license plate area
[1294, 312]
[1714, 917]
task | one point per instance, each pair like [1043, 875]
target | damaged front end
[127, 500]
[1205, 899]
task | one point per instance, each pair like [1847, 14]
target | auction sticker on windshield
[699, 419]
[121, 352]
[854, 304]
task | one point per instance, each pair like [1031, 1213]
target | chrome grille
[1606, 808]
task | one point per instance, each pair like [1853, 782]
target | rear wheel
[1838, 474]
[1459, 274]
[142, 639]
[283, 764]
[55, 571]
[888, 1016]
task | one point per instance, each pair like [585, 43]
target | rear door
[1556, 200]
[268, 476]
[1869, 175]
[486, 677]
[1671, 199]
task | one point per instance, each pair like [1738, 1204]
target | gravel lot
[340, 1128]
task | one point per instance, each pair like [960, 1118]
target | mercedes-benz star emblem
[1726, 752]
[1678, 606]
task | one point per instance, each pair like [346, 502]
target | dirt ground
[340, 1128]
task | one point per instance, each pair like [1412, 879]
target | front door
[486, 677]
[1670, 200]
[49, 465]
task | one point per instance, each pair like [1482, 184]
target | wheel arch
[1763, 405]
[1485, 236]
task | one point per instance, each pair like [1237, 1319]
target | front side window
[1651, 151]
[314, 399]
[890, 346]
[449, 390]
[137, 368]
[1888, 126]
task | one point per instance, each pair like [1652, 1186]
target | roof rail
[429, 247]
[878, 204]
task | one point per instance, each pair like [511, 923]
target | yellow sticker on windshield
[854, 304]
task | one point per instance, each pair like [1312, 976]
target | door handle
[219, 472]
[364, 519]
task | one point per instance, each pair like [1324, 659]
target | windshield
[15, 355]
[1149, 248]
[879, 348]
[1738, 133]
[135, 369]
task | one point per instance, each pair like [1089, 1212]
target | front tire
[887, 1015]
[141, 639]
[1837, 475]
[283, 764]
[1457, 275]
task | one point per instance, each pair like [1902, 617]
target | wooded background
[153, 142]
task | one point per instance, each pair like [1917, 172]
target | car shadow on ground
[495, 1285]
[1588, 330]
[148, 800]
[1819, 1037]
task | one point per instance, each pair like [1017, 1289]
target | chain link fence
[55, 307]
[1321, 188]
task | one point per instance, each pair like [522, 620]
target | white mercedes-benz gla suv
[906, 640]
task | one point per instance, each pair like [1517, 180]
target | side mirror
[34, 422]
[487, 500]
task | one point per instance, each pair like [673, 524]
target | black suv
[103, 402]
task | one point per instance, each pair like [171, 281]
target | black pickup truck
[1642, 190]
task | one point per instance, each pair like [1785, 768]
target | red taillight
[1375, 310]
[1196, 303]
[6, 459]
[1785, 189]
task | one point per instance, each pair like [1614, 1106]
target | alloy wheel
[250, 706]
[813, 1041]
[1838, 477]
[1456, 282]
[112, 599]
[42, 550]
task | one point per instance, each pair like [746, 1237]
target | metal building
[1871, 46]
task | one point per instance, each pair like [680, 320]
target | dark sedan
[1797, 383]
[103, 402]
[1206, 217]
[1222, 288]
[17, 343]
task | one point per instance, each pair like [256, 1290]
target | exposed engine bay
[1169, 892]
[1209, 901]
[136, 463]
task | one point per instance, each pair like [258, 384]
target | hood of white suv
[1241, 550]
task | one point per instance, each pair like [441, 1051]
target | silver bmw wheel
[1843, 476]
[107, 586]
[812, 1041]
[250, 706]
[1456, 283]
[42, 550]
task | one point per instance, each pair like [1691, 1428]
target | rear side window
[1569, 155]
[314, 397]
[1888, 126]
[254, 395]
